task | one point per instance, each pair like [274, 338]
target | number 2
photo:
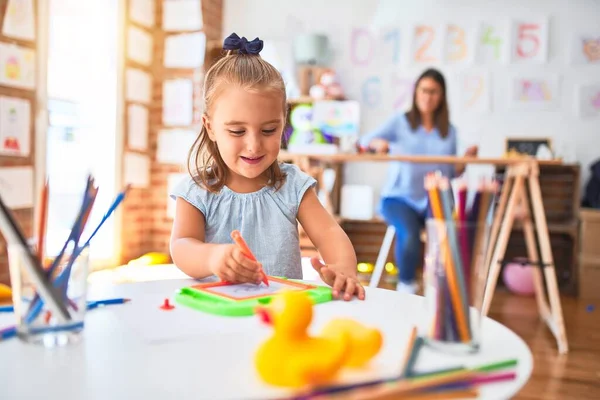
[420, 54]
[526, 35]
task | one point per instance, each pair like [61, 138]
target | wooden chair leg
[556, 322]
[533, 257]
[384, 251]
[500, 245]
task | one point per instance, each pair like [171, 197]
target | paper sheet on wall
[535, 92]
[137, 169]
[459, 45]
[178, 102]
[139, 45]
[172, 181]
[142, 12]
[137, 127]
[585, 48]
[475, 91]
[588, 101]
[529, 40]
[17, 66]
[185, 50]
[182, 15]
[138, 86]
[173, 145]
[427, 43]
[19, 20]
[16, 187]
[493, 41]
[15, 126]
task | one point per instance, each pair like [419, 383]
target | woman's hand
[344, 286]
[472, 151]
[231, 265]
[381, 146]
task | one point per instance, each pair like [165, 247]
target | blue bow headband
[234, 42]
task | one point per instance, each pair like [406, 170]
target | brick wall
[146, 226]
[25, 217]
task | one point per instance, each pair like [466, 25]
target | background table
[137, 350]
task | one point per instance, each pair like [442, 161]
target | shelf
[301, 100]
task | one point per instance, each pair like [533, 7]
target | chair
[388, 239]
[384, 251]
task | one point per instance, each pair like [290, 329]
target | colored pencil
[43, 221]
[243, 246]
[90, 304]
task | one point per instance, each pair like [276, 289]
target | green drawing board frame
[207, 298]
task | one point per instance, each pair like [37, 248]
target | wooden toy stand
[521, 198]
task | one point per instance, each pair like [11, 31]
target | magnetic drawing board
[224, 298]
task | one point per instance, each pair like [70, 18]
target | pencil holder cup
[56, 323]
[455, 276]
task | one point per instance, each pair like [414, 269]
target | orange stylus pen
[239, 240]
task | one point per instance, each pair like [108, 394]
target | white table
[187, 354]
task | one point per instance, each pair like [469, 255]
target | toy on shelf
[293, 358]
[328, 87]
[303, 132]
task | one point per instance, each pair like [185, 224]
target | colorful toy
[364, 344]
[293, 358]
[303, 131]
[518, 278]
[328, 87]
[237, 300]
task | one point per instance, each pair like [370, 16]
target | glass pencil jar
[455, 277]
[55, 323]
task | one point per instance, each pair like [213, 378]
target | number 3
[526, 36]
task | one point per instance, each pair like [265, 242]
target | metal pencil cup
[455, 277]
[35, 321]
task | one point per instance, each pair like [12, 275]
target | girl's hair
[441, 115]
[251, 72]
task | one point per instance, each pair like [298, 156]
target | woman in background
[424, 130]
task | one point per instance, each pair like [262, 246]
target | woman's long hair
[441, 116]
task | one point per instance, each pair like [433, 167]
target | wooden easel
[521, 191]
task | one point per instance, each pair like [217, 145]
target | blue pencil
[90, 304]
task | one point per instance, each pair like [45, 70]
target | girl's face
[247, 127]
[429, 95]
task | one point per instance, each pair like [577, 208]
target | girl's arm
[333, 245]
[188, 250]
[199, 259]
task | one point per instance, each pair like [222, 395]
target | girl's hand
[380, 146]
[344, 286]
[231, 265]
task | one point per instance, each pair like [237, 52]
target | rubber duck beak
[264, 315]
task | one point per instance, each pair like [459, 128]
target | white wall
[277, 21]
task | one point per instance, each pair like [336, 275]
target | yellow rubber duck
[365, 342]
[290, 357]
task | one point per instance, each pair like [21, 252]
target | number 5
[525, 35]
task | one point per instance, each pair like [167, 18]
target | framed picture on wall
[535, 147]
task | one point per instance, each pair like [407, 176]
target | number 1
[394, 36]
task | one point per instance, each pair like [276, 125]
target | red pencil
[239, 240]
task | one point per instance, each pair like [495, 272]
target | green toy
[238, 300]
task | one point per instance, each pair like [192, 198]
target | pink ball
[519, 278]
